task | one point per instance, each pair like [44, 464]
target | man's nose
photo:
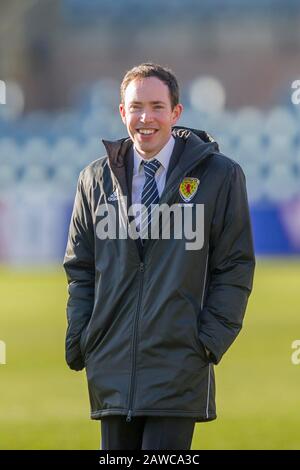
[146, 116]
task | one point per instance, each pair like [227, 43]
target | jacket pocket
[203, 351]
[82, 341]
[196, 309]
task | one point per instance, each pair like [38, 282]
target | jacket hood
[186, 132]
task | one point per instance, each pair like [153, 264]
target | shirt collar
[163, 156]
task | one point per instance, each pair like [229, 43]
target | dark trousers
[146, 432]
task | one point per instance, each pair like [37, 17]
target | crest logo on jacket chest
[188, 188]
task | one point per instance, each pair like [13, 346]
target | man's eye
[158, 107]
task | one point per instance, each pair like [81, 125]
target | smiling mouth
[144, 131]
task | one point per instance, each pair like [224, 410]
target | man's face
[148, 115]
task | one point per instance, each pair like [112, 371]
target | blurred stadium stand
[226, 56]
[41, 156]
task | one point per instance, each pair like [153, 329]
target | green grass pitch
[44, 405]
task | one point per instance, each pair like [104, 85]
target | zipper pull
[128, 416]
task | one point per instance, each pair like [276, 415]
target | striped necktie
[150, 198]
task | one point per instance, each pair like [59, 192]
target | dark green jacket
[138, 319]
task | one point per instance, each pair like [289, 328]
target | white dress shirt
[138, 178]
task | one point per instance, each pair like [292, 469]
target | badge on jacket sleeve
[188, 188]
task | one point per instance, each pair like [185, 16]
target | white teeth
[147, 131]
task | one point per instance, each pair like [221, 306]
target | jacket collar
[199, 144]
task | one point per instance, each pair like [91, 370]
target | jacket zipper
[132, 378]
[141, 269]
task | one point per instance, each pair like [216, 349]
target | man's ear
[176, 113]
[122, 112]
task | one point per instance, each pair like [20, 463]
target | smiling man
[148, 318]
[149, 112]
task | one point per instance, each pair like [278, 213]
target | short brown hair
[148, 69]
